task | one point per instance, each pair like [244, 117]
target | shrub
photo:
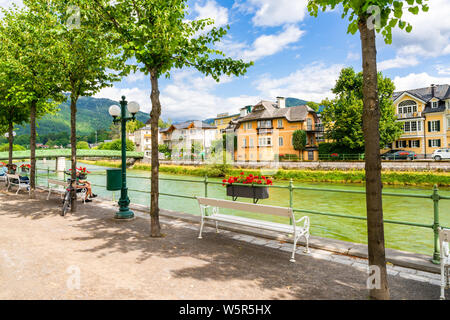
[16, 147]
[116, 145]
[82, 145]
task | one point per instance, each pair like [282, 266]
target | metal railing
[341, 156]
[434, 196]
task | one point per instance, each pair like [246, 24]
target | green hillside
[92, 114]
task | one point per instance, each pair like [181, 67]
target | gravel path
[41, 254]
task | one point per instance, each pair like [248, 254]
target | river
[407, 238]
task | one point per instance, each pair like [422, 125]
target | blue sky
[295, 55]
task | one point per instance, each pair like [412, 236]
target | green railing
[341, 156]
[434, 196]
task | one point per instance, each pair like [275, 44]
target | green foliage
[83, 145]
[117, 145]
[384, 14]
[299, 140]
[343, 116]
[52, 153]
[163, 148]
[134, 125]
[5, 147]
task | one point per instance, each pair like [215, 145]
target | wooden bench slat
[249, 207]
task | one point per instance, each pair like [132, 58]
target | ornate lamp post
[116, 111]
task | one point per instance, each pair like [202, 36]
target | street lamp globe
[7, 134]
[133, 107]
[114, 111]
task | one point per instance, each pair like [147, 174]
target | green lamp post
[116, 111]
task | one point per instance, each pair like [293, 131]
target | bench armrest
[305, 220]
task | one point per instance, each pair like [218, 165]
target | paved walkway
[41, 252]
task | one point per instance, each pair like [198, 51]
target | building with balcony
[265, 132]
[142, 139]
[181, 138]
[425, 116]
[222, 121]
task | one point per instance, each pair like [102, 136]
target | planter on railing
[251, 186]
[252, 192]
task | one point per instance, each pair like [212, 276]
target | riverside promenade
[41, 252]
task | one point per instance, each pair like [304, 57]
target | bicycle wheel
[66, 203]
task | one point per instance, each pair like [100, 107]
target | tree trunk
[73, 146]
[154, 120]
[371, 118]
[11, 143]
[33, 148]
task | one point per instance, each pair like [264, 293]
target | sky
[294, 54]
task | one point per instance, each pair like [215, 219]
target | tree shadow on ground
[219, 257]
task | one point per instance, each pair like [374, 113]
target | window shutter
[439, 143]
[396, 144]
[409, 143]
[418, 143]
[429, 143]
[429, 127]
[438, 127]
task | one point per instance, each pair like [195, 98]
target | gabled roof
[188, 125]
[269, 110]
[441, 91]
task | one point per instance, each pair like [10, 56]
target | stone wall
[333, 165]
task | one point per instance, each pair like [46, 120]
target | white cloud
[430, 36]
[397, 62]
[443, 70]
[211, 9]
[313, 82]
[265, 45]
[352, 56]
[135, 77]
[274, 12]
[418, 80]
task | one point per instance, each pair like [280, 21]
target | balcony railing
[409, 115]
[264, 130]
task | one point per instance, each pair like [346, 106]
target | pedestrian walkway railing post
[291, 198]
[436, 255]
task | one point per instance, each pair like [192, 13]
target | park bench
[14, 180]
[215, 204]
[54, 182]
[444, 241]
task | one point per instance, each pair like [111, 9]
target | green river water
[408, 238]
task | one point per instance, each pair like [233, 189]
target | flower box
[252, 192]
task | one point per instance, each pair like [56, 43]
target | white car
[440, 154]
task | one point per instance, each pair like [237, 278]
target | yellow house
[265, 134]
[425, 115]
[222, 120]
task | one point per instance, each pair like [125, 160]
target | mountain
[92, 114]
[293, 102]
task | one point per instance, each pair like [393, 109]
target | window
[400, 144]
[407, 106]
[265, 141]
[249, 125]
[244, 143]
[264, 124]
[434, 126]
[448, 123]
[415, 144]
[251, 143]
[280, 141]
[434, 142]
[280, 123]
[407, 126]
[434, 104]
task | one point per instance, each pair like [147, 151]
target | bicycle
[67, 200]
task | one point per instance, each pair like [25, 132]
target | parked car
[399, 155]
[440, 154]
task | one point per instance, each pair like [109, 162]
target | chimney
[281, 101]
[433, 89]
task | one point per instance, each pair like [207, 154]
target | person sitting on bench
[81, 183]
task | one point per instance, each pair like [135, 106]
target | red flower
[242, 173]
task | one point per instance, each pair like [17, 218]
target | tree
[29, 43]
[134, 125]
[366, 16]
[299, 141]
[87, 56]
[343, 115]
[11, 111]
[159, 36]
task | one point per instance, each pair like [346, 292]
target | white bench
[64, 184]
[215, 204]
[14, 180]
[444, 242]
